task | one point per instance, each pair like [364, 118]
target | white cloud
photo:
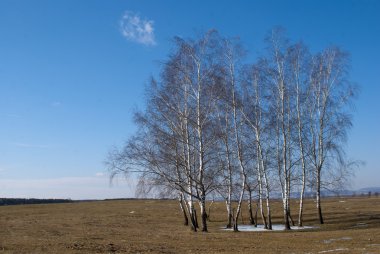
[26, 145]
[10, 115]
[137, 29]
[56, 104]
[67, 187]
[99, 174]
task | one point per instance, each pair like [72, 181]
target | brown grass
[154, 226]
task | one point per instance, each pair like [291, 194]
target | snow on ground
[340, 249]
[374, 244]
[275, 227]
[346, 238]
[360, 225]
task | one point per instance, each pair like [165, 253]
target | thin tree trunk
[257, 209]
[289, 194]
[186, 151]
[238, 145]
[286, 217]
[229, 197]
[229, 213]
[286, 187]
[195, 217]
[269, 215]
[267, 191]
[201, 150]
[250, 213]
[319, 207]
[260, 197]
[209, 210]
[190, 209]
[302, 153]
[241, 217]
[300, 214]
[290, 216]
[302, 194]
[186, 219]
[238, 209]
[203, 213]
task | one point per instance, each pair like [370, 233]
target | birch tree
[280, 100]
[232, 53]
[256, 115]
[215, 125]
[328, 108]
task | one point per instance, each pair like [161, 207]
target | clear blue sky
[71, 76]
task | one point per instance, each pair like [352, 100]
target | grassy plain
[352, 225]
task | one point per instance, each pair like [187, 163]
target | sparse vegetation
[29, 201]
[155, 226]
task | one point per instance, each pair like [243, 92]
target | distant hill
[373, 191]
[359, 192]
[369, 189]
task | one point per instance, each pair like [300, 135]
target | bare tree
[254, 113]
[280, 94]
[300, 74]
[213, 125]
[227, 181]
[331, 95]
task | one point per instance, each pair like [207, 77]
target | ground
[352, 225]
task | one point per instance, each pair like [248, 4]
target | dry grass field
[155, 226]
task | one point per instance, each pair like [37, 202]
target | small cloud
[136, 29]
[26, 145]
[56, 104]
[65, 187]
[10, 115]
[99, 174]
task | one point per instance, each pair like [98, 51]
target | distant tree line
[29, 201]
[216, 125]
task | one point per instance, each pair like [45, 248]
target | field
[352, 225]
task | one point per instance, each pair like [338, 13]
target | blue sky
[71, 77]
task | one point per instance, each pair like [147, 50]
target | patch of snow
[132, 212]
[340, 249]
[361, 224]
[345, 238]
[342, 201]
[374, 245]
[275, 227]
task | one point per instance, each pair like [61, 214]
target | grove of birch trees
[216, 125]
